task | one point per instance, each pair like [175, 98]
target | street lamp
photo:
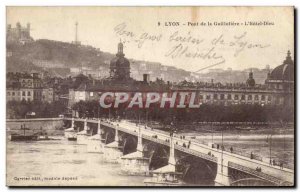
[222, 147]
[270, 146]
[212, 133]
[108, 113]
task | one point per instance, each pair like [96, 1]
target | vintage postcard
[150, 96]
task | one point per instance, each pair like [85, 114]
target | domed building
[250, 81]
[282, 77]
[120, 66]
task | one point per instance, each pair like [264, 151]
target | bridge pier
[167, 175]
[70, 133]
[112, 151]
[135, 163]
[94, 143]
[222, 177]
[82, 136]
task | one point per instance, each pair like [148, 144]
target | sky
[166, 34]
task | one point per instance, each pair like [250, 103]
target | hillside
[58, 57]
[67, 54]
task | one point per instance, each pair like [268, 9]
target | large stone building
[28, 87]
[18, 34]
[278, 89]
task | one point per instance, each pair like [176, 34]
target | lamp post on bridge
[139, 122]
[269, 140]
[98, 111]
[146, 118]
[108, 113]
[270, 146]
[212, 133]
[222, 148]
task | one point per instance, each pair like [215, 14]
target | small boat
[17, 137]
[23, 137]
[72, 138]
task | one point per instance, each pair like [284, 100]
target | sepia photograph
[151, 96]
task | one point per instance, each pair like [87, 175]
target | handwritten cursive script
[191, 46]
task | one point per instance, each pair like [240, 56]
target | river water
[62, 162]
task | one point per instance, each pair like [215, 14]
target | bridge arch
[196, 170]
[129, 144]
[252, 182]
[158, 154]
[109, 136]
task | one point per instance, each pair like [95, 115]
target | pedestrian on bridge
[231, 149]
[258, 169]
[223, 148]
[281, 165]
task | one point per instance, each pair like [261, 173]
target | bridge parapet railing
[157, 140]
[234, 151]
[245, 154]
[204, 142]
[127, 131]
[33, 119]
[196, 153]
[256, 173]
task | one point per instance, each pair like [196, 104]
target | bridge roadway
[270, 173]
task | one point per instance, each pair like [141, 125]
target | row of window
[221, 97]
[28, 98]
[18, 93]
[276, 86]
[13, 93]
[36, 94]
[236, 97]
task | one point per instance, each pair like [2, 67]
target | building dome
[284, 71]
[120, 66]
[119, 62]
[282, 77]
[250, 81]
